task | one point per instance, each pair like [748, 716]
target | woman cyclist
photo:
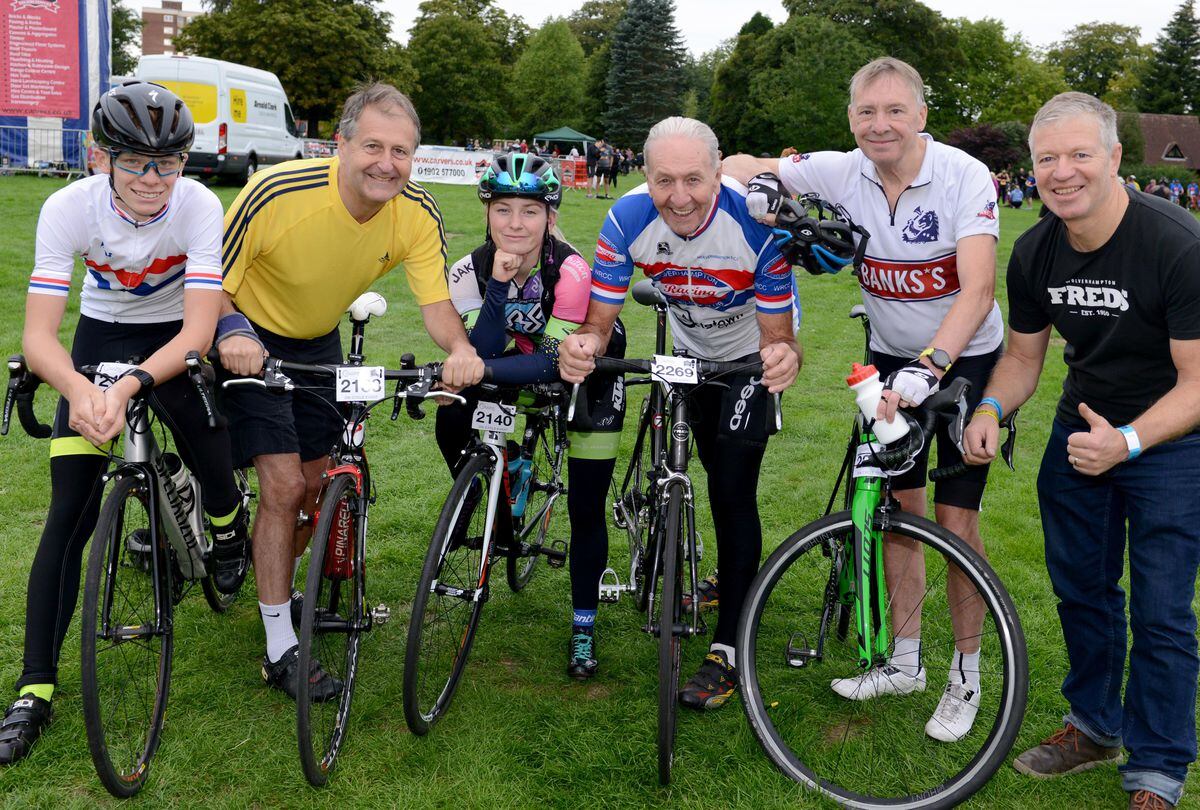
[151, 243]
[527, 286]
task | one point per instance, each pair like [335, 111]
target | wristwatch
[940, 358]
[142, 376]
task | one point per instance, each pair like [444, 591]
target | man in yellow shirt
[302, 241]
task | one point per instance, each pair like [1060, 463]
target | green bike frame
[861, 587]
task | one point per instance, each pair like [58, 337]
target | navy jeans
[1084, 519]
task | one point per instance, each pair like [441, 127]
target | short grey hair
[1071, 104]
[382, 96]
[679, 127]
[888, 66]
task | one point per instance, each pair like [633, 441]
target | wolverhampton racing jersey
[295, 258]
[134, 272]
[909, 276]
[715, 279]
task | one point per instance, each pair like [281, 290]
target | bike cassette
[610, 586]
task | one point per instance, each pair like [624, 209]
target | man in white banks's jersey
[731, 297]
[928, 284]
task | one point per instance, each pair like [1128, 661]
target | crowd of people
[1114, 270]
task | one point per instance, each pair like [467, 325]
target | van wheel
[251, 167]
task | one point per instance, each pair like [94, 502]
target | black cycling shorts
[741, 403]
[966, 490]
[306, 421]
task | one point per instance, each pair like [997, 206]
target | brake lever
[1008, 449]
[571, 406]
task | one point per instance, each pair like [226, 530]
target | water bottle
[867, 387]
[182, 480]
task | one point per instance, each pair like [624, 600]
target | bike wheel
[533, 527]
[875, 753]
[217, 601]
[631, 510]
[127, 640]
[668, 637]
[449, 599]
[331, 623]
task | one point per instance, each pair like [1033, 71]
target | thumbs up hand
[1098, 450]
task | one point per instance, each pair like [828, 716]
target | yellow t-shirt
[294, 258]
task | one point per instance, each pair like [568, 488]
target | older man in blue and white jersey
[732, 297]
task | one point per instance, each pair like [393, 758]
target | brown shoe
[1068, 750]
[1146, 800]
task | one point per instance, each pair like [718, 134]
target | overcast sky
[705, 23]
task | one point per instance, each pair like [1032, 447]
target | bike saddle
[646, 294]
[366, 305]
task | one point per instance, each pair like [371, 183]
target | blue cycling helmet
[819, 235]
[518, 174]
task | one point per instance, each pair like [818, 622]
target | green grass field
[519, 733]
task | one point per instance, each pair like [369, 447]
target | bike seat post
[355, 356]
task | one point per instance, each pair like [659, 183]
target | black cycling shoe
[297, 606]
[712, 685]
[230, 553]
[283, 674]
[581, 653]
[23, 724]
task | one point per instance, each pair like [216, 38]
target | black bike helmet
[818, 235]
[518, 174]
[143, 117]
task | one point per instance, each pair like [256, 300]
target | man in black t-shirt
[1117, 273]
[592, 152]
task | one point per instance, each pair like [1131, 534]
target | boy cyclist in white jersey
[151, 245]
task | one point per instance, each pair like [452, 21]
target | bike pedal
[799, 655]
[610, 586]
[556, 555]
[381, 614]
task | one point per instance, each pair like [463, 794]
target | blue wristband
[995, 404]
[1132, 441]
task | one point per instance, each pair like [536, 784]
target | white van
[243, 119]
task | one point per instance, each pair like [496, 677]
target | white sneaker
[955, 713]
[885, 680]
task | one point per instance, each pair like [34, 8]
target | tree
[1126, 88]
[462, 81]
[1129, 133]
[731, 83]
[1092, 55]
[645, 82]
[1031, 84]
[593, 23]
[126, 26]
[509, 33]
[1171, 83]
[908, 30]
[319, 49]
[698, 78]
[797, 90]
[548, 79]
[989, 144]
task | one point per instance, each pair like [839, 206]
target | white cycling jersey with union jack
[715, 278]
[133, 272]
[909, 276]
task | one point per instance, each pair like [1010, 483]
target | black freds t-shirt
[1117, 307]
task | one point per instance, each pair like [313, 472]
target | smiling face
[140, 196]
[886, 119]
[1076, 174]
[518, 226]
[683, 181]
[376, 162]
